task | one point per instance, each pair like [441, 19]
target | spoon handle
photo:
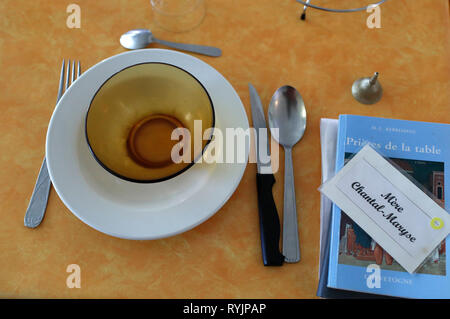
[202, 49]
[291, 246]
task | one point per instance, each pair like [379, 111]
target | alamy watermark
[229, 147]
[373, 280]
[73, 20]
[374, 19]
[74, 279]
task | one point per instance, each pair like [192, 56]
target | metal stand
[367, 90]
[306, 4]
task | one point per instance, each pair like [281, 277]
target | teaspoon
[141, 38]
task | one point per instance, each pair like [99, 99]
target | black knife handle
[269, 222]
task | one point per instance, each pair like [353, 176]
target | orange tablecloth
[263, 42]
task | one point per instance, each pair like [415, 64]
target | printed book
[422, 151]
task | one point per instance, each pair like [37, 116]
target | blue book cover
[420, 149]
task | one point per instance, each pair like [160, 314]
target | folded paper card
[388, 206]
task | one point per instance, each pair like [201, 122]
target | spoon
[287, 121]
[141, 38]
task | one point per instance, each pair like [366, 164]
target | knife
[269, 222]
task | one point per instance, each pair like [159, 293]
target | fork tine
[73, 72]
[61, 81]
[79, 69]
[67, 74]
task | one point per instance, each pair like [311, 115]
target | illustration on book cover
[357, 248]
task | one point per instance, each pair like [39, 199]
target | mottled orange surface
[264, 43]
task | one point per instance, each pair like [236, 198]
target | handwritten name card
[398, 215]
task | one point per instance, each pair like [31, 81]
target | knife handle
[269, 221]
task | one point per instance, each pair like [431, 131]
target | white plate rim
[167, 56]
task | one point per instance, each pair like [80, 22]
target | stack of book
[349, 258]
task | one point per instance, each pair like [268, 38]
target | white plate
[131, 210]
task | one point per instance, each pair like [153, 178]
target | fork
[38, 203]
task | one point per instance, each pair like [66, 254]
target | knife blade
[269, 222]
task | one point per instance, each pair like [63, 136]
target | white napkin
[328, 139]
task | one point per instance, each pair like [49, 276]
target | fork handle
[38, 203]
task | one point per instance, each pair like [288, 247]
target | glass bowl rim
[150, 181]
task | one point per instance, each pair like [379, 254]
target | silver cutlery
[269, 222]
[287, 121]
[141, 38]
[38, 203]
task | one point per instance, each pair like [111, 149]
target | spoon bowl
[287, 121]
[287, 112]
[136, 39]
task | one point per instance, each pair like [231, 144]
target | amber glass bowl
[132, 116]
